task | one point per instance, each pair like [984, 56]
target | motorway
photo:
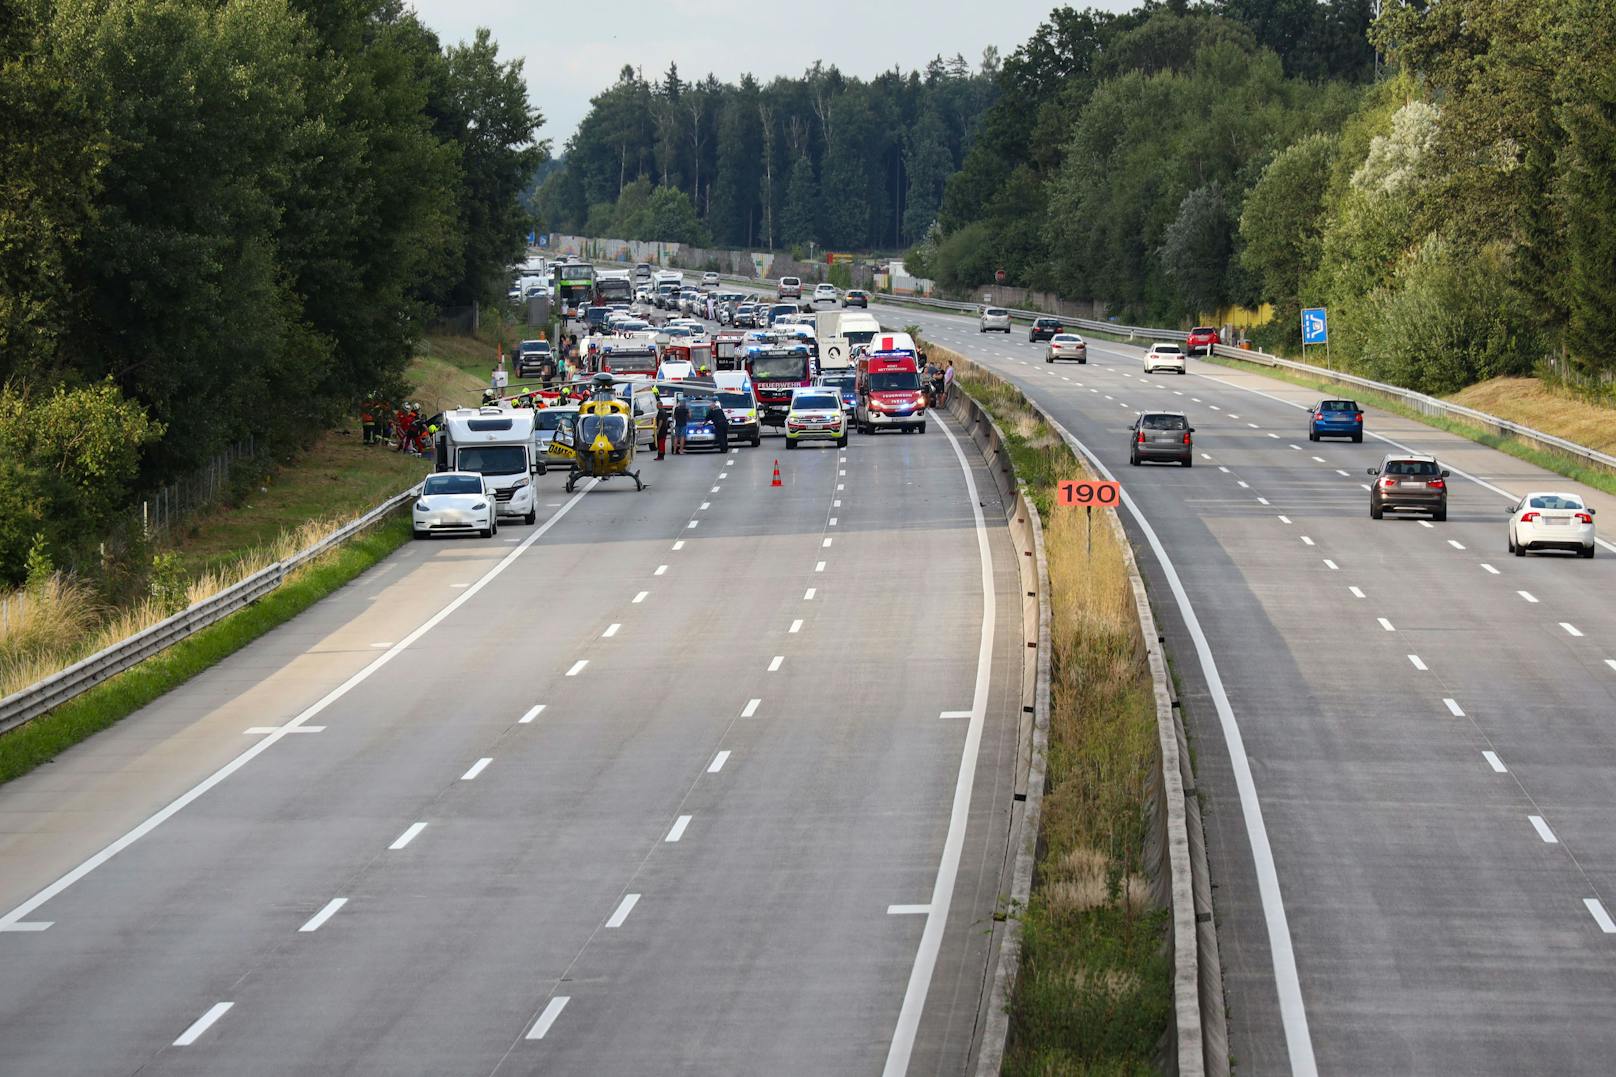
[1404, 737]
[714, 778]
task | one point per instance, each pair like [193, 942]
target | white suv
[825, 293]
[790, 288]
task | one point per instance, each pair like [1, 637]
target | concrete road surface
[1405, 738]
[673, 782]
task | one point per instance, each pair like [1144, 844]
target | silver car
[455, 502]
[1161, 435]
[1067, 346]
[994, 318]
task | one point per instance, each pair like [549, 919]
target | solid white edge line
[548, 1017]
[931, 938]
[1601, 917]
[201, 1024]
[1287, 982]
[179, 803]
[476, 769]
[323, 915]
[624, 907]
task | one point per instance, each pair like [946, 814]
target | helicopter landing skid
[638, 485]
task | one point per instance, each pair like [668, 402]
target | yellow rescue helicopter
[599, 442]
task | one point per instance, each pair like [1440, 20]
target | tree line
[1439, 177]
[825, 159]
[227, 218]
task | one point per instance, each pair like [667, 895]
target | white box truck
[839, 332]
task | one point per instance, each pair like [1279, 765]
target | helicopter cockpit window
[615, 427]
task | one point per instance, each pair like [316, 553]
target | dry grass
[1544, 407]
[49, 629]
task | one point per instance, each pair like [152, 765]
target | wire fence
[205, 486]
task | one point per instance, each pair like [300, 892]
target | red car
[1201, 339]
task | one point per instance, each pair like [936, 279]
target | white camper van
[497, 443]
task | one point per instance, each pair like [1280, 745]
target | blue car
[1335, 419]
[845, 384]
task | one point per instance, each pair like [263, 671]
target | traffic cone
[776, 481]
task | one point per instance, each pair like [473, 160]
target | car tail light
[1388, 481]
[1436, 484]
[1357, 417]
[1141, 437]
[1529, 517]
[1318, 415]
[1186, 437]
[1585, 518]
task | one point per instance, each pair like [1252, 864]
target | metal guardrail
[1425, 405]
[29, 703]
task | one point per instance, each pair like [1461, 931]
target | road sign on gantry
[1315, 326]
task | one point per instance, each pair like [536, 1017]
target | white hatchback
[1164, 357]
[455, 502]
[825, 293]
[1550, 521]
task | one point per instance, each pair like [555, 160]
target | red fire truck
[776, 372]
[889, 394]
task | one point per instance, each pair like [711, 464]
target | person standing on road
[664, 419]
[720, 421]
[948, 379]
[681, 417]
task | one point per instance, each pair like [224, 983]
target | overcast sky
[574, 51]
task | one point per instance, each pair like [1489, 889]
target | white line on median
[1453, 708]
[476, 769]
[678, 830]
[548, 1017]
[532, 713]
[718, 763]
[1496, 763]
[1543, 830]
[931, 937]
[1601, 917]
[406, 837]
[203, 1023]
[323, 915]
[577, 667]
[624, 907]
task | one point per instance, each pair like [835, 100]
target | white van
[840, 331]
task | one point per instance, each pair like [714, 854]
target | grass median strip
[50, 734]
[1094, 994]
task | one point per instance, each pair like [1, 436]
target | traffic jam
[647, 362]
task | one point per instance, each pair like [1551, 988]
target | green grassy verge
[1560, 463]
[1094, 993]
[48, 735]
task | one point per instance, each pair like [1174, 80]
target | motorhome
[497, 443]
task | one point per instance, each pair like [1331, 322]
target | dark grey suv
[1161, 435]
[1409, 483]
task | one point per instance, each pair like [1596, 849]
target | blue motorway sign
[1315, 326]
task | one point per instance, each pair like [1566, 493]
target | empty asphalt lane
[451, 950]
[1435, 930]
